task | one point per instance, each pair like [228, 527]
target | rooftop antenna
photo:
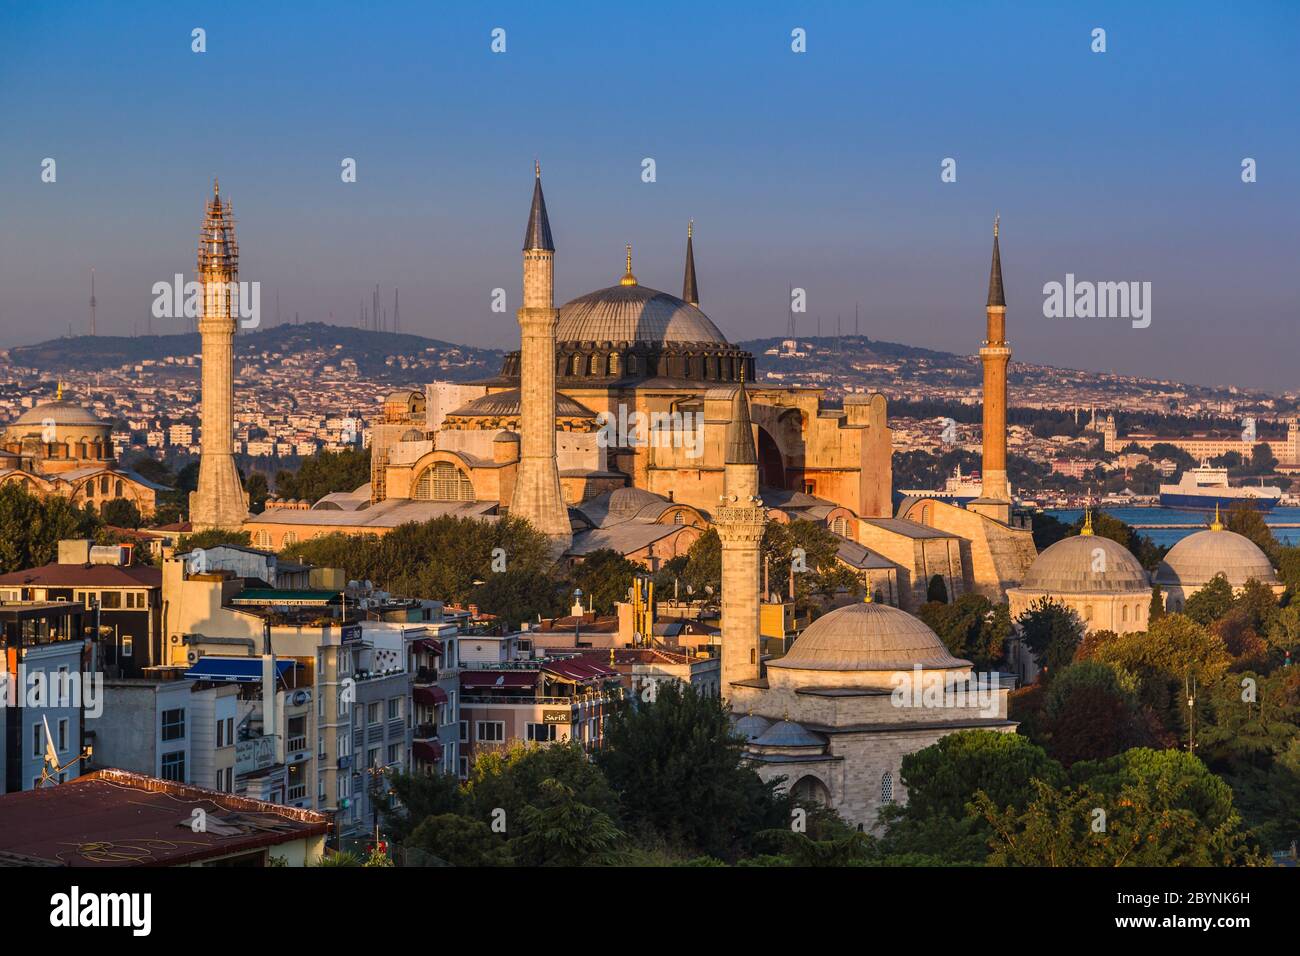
[51, 768]
[92, 300]
[397, 313]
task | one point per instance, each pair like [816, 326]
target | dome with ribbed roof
[58, 412]
[867, 637]
[634, 313]
[506, 404]
[1086, 563]
[1193, 562]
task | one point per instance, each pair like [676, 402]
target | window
[262, 539]
[295, 730]
[38, 740]
[464, 731]
[372, 757]
[110, 600]
[290, 537]
[395, 708]
[443, 481]
[464, 766]
[887, 787]
[541, 732]
[372, 713]
[173, 766]
[128, 645]
[221, 733]
[490, 731]
[63, 734]
[173, 724]
[394, 753]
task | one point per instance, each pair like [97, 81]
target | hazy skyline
[819, 170]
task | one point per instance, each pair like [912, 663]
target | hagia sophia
[827, 717]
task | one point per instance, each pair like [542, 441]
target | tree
[31, 527]
[459, 841]
[1211, 602]
[1157, 608]
[941, 781]
[258, 490]
[324, 473]
[1248, 522]
[1052, 631]
[972, 628]
[937, 591]
[121, 513]
[1092, 711]
[704, 564]
[514, 778]
[563, 831]
[213, 538]
[413, 797]
[680, 773]
[1141, 808]
[604, 576]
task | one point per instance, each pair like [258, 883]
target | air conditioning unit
[192, 657]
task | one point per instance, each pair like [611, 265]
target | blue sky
[818, 170]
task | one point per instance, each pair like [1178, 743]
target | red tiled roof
[85, 576]
[118, 818]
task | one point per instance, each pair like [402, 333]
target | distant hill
[370, 350]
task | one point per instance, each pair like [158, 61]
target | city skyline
[784, 190]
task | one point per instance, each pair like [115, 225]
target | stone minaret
[220, 501]
[690, 290]
[537, 494]
[740, 519]
[995, 498]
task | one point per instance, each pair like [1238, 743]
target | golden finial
[537, 168]
[58, 393]
[628, 278]
[216, 187]
[611, 657]
[1217, 524]
[690, 227]
[1087, 521]
[996, 219]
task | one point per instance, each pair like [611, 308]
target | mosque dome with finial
[1194, 561]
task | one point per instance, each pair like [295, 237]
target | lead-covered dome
[1193, 562]
[59, 412]
[635, 313]
[1086, 563]
[868, 637]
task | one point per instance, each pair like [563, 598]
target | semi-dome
[787, 733]
[634, 313]
[507, 404]
[59, 412]
[868, 637]
[751, 726]
[1193, 562]
[1086, 563]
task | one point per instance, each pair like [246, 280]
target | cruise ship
[958, 488]
[1206, 488]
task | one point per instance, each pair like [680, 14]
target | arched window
[595, 365]
[443, 481]
[1087, 612]
[1124, 613]
[90, 488]
[613, 363]
[117, 491]
[887, 787]
[290, 537]
[103, 484]
[679, 517]
[575, 366]
[631, 365]
[262, 539]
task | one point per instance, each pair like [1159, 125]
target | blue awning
[234, 670]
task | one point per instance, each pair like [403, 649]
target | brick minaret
[740, 520]
[537, 494]
[220, 501]
[995, 498]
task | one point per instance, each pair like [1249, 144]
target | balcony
[426, 731]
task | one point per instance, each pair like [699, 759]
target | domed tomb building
[1194, 562]
[61, 448]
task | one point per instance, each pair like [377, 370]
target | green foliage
[936, 591]
[562, 831]
[703, 569]
[1249, 523]
[458, 840]
[1092, 711]
[31, 527]
[344, 858]
[1211, 602]
[941, 781]
[212, 539]
[973, 628]
[258, 490]
[121, 513]
[604, 577]
[324, 473]
[513, 778]
[1141, 547]
[1052, 631]
[1157, 608]
[415, 797]
[679, 771]
[1141, 808]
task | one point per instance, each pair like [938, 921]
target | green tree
[562, 831]
[1052, 632]
[937, 591]
[680, 773]
[1157, 608]
[604, 576]
[1248, 522]
[324, 473]
[213, 538]
[972, 628]
[1092, 711]
[513, 778]
[31, 527]
[121, 513]
[258, 490]
[457, 840]
[942, 780]
[413, 797]
[1211, 602]
[703, 572]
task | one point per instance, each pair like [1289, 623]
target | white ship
[1206, 488]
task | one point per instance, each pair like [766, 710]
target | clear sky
[819, 170]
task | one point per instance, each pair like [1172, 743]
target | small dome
[867, 637]
[1193, 562]
[1086, 563]
[507, 404]
[60, 412]
[751, 726]
[786, 733]
[634, 313]
[507, 436]
[413, 434]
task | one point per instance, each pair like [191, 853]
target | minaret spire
[538, 233]
[996, 296]
[690, 290]
[995, 496]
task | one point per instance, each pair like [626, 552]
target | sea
[1194, 520]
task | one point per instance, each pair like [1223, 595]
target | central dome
[634, 313]
[1193, 562]
[58, 412]
[868, 637]
[1086, 563]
